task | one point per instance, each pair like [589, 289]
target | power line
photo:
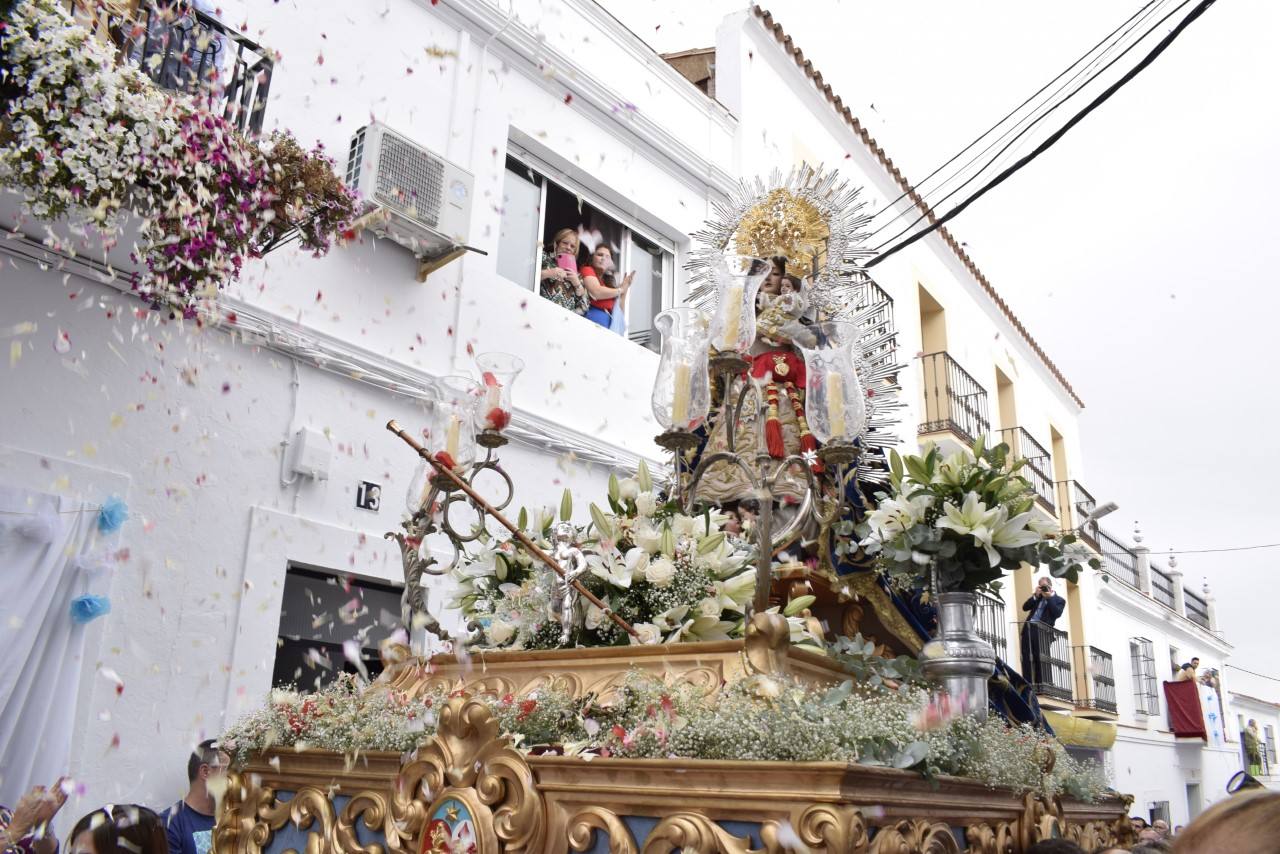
[999, 154]
[1109, 40]
[1251, 673]
[1048, 143]
[1204, 551]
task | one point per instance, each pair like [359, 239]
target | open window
[535, 207]
[320, 613]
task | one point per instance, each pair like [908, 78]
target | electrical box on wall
[310, 454]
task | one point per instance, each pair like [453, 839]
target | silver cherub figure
[564, 596]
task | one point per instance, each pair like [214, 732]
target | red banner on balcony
[1185, 716]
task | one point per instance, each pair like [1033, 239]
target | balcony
[953, 400]
[878, 338]
[1095, 679]
[1162, 587]
[1046, 660]
[1038, 463]
[1075, 503]
[990, 623]
[1118, 560]
[189, 52]
[1197, 608]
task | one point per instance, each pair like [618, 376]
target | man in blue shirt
[1044, 608]
[189, 823]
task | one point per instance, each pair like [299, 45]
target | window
[534, 208]
[321, 612]
[1143, 663]
[1269, 738]
[1160, 812]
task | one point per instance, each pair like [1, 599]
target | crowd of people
[182, 828]
[1245, 823]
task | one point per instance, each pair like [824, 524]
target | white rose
[660, 572]
[595, 616]
[647, 537]
[637, 561]
[646, 633]
[646, 504]
[709, 608]
[687, 526]
[628, 489]
[500, 632]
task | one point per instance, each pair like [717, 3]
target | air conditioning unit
[418, 199]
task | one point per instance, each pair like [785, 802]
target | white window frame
[629, 222]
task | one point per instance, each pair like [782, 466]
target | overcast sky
[1137, 250]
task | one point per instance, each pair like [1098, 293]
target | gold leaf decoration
[784, 224]
[583, 827]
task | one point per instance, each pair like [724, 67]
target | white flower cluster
[650, 719]
[672, 576]
[962, 521]
[86, 137]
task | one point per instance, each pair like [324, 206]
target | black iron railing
[953, 400]
[1161, 587]
[1046, 659]
[1118, 560]
[185, 50]
[878, 336]
[1039, 464]
[990, 623]
[1096, 666]
[1076, 499]
[1197, 608]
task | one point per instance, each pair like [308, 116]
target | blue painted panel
[290, 837]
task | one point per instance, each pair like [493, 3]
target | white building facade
[560, 114]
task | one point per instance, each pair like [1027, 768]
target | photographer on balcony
[1044, 608]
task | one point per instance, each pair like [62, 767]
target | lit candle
[732, 318]
[680, 403]
[835, 405]
[451, 439]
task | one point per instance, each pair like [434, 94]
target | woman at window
[559, 280]
[603, 296]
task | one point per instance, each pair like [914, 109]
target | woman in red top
[602, 296]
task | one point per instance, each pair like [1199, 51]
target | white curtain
[46, 546]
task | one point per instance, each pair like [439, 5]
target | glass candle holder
[682, 389]
[738, 279]
[452, 440]
[835, 401]
[498, 372]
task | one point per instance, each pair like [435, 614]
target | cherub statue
[779, 319]
[564, 596]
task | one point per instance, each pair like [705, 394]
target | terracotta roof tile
[838, 103]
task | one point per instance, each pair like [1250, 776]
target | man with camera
[1044, 608]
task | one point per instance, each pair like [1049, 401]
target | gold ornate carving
[986, 839]
[308, 806]
[469, 753]
[694, 833]
[823, 827]
[915, 836]
[583, 827]
[1041, 819]
[783, 223]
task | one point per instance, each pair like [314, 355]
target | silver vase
[958, 658]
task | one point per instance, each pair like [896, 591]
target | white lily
[1042, 526]
[737, 591]
[897, 515]
[1009, 533]
[701, 629]
[611, 567]
[970, 518]
[669, 619]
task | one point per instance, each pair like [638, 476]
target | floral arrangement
[86, 136]
[645, 718]
[960, 523]
[672, 576]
